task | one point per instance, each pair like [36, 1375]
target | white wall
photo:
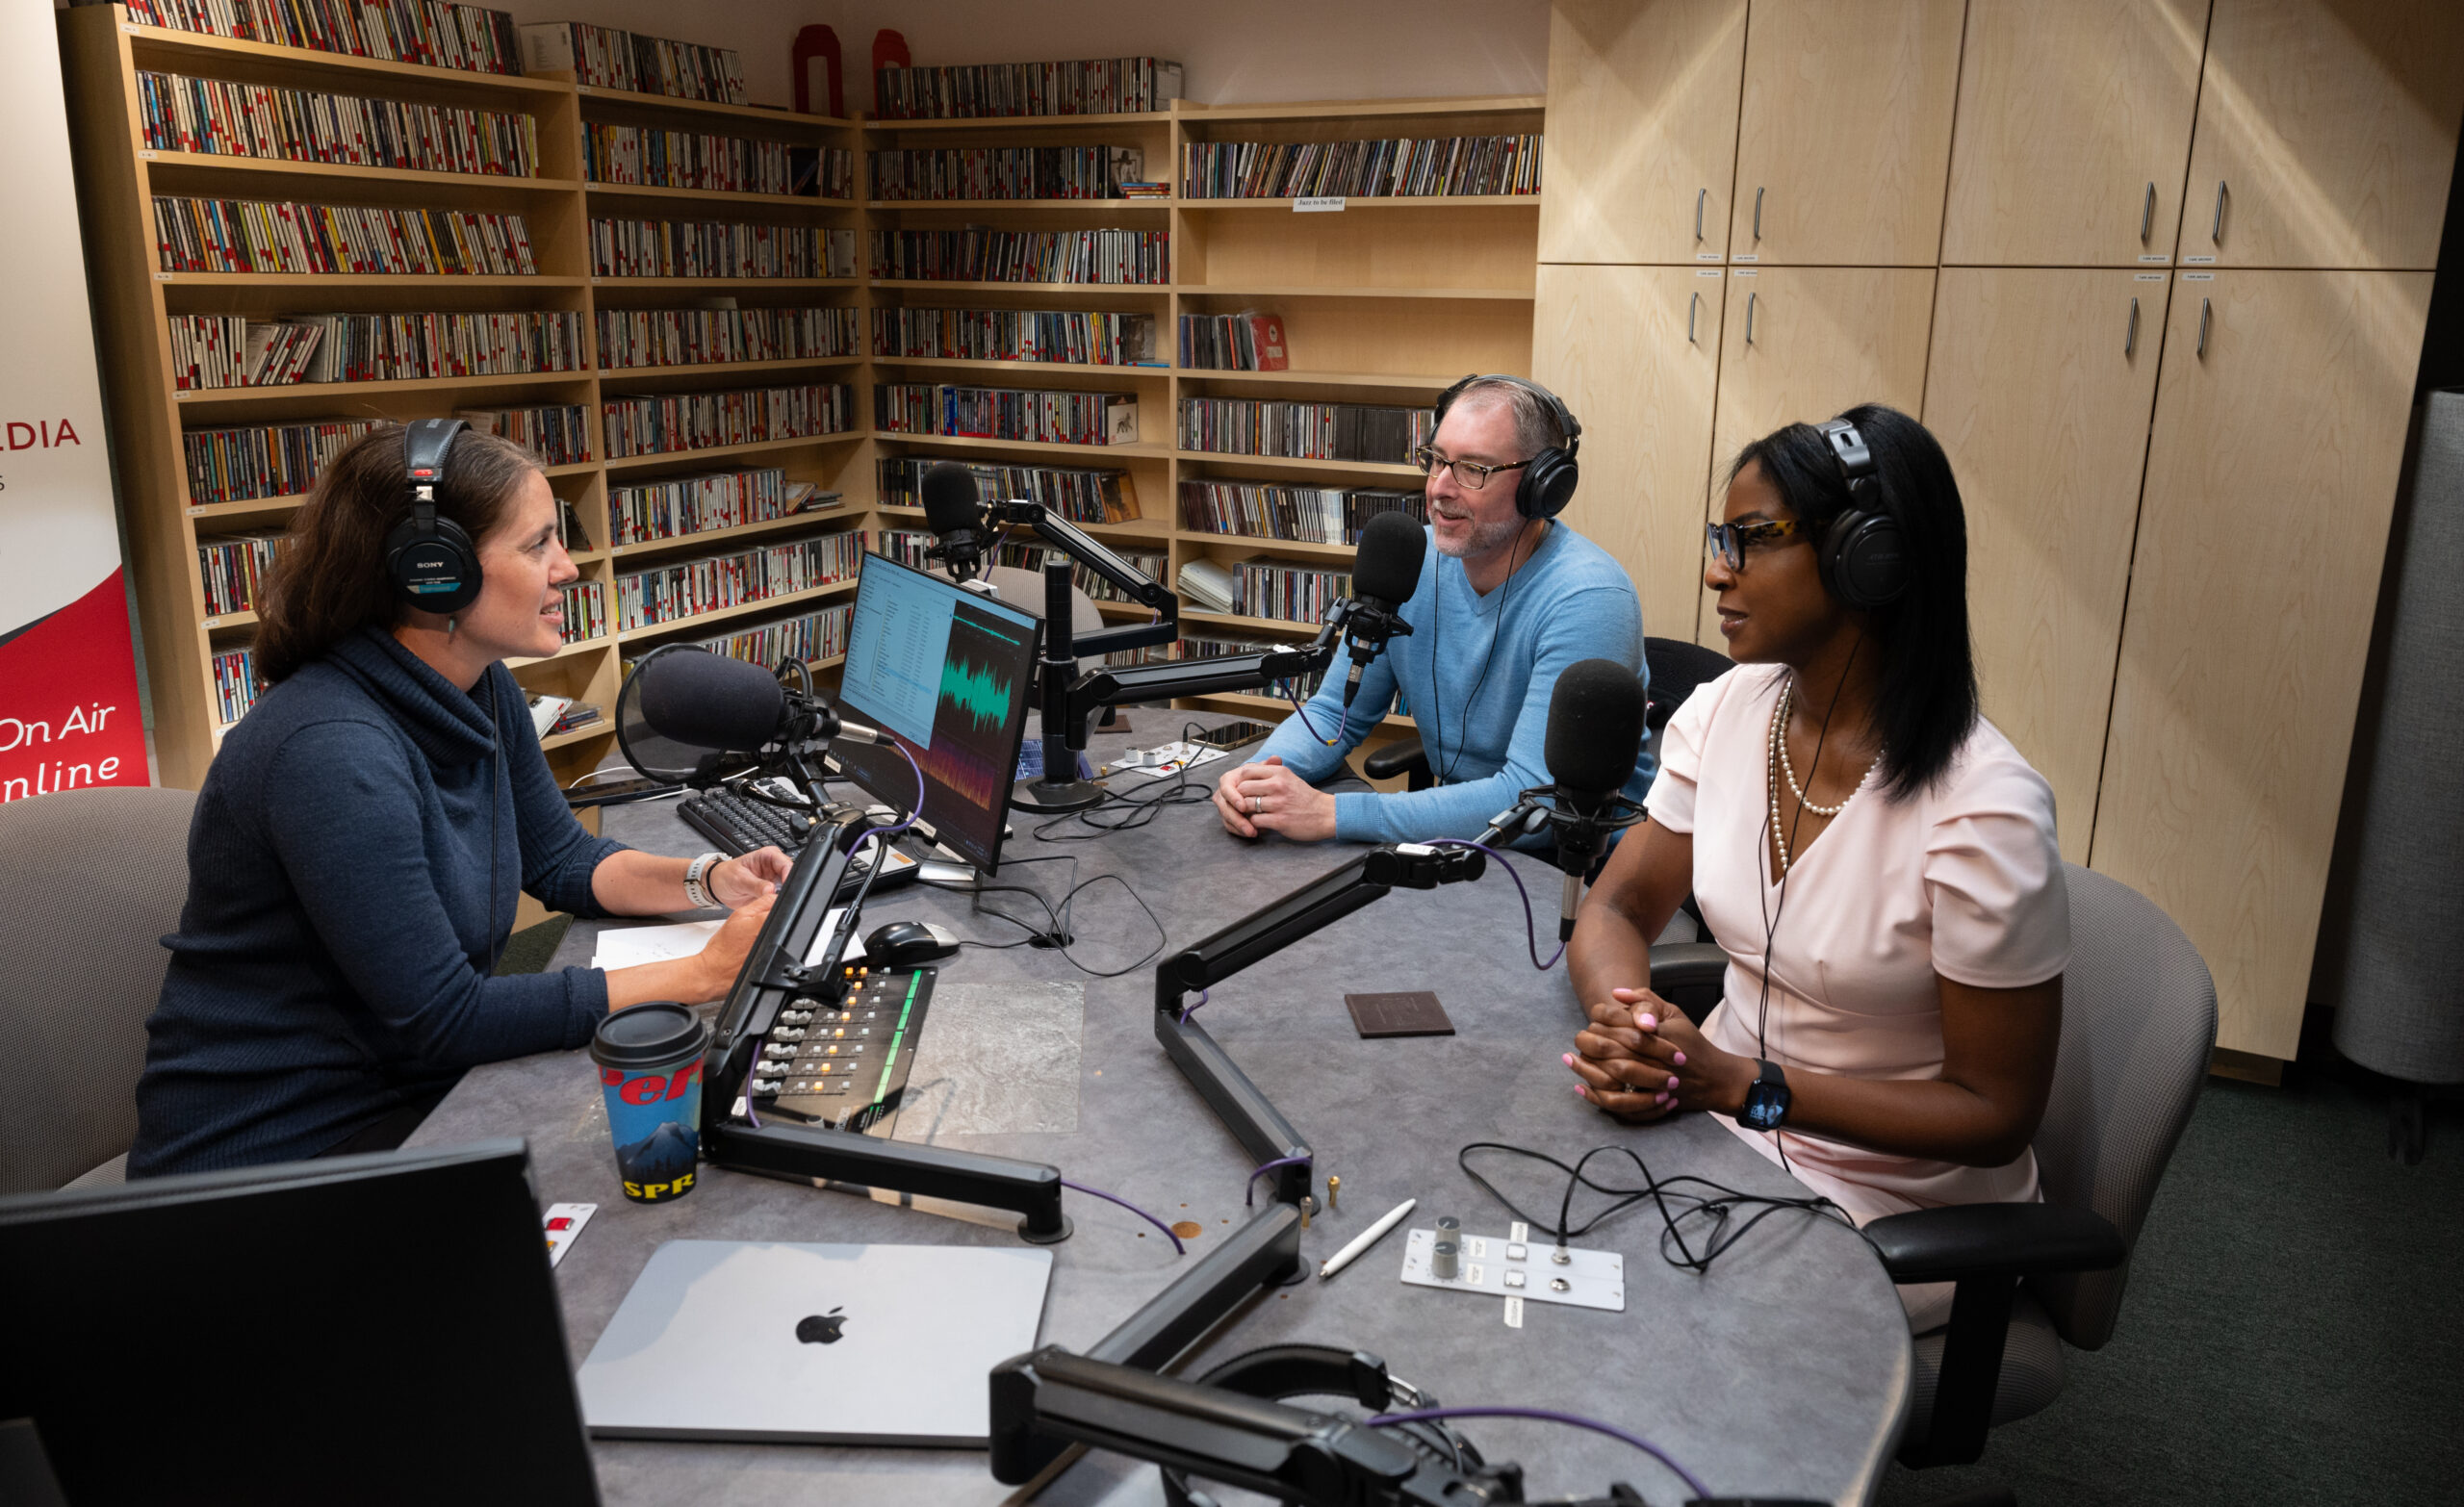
[1236, 51]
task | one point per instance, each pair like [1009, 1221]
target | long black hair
[1926, 706]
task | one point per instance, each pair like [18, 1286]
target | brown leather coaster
[1414, 1014]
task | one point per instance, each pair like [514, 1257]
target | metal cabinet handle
[1700, 196]
[1749, 317]
[2147, 214]
[2130, 340]
[1758, 213]
[2216, 232]
[1691, 310]
[2202, 328]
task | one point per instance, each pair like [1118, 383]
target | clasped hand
[1640, 1060]
[1268, 796]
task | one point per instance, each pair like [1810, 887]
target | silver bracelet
[697, 875]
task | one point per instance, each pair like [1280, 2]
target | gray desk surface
[1783, 1373]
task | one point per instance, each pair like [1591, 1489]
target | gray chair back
[1024, 591]
[2138, 1028]
[90, 882]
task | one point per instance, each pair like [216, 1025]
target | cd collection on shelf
[1302, 686]
[224, 118]
[981, 254]
[807, 636]
[234, 566]
[1293, 593]
[1079, 495]
[632, 338]
[602, 57]
[674, 508]
[1304, 515]
[905, 545]
[660, 422]
[585, 604]
[1062, 337]
[217, 351]
[255, 236]
[1208, 583]
[1390, 168]
[1243, 342]
[706, 583]
[235, 684]
[1306, 431]
[1096, 87]
[1004, 173]
[714, 248]
[648, 157]
[432, 33]
[998, 413]
[242, 464]
[557, 433]
[1030, 557]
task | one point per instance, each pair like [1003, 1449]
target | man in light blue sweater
[1505, 602]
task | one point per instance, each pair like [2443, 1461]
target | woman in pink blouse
[1876, 859]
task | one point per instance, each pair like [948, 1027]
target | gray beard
[1485, 539]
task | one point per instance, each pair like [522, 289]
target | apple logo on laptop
[821, 1328]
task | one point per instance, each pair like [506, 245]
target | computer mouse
[908, 944]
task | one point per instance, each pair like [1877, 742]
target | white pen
[1365, 1239]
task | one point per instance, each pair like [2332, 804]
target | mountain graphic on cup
[663, 1156]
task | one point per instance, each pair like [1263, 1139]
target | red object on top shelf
[889, 51]
[818, 41]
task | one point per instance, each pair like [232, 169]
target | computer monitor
[950, 674]
[377, 1328]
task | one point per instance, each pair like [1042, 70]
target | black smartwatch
[1766, 1099]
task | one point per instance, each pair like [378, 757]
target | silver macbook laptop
[839, 1344]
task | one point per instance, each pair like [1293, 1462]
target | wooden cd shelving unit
[1387, 301]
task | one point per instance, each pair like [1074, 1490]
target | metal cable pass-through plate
[1498, 1268]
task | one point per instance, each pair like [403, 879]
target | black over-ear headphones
[1864, 552]
[1306, 1370]
[1548, 481]
[430, 559]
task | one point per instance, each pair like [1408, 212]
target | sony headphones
[1548, 481]
[1863, 558]
[429, 559]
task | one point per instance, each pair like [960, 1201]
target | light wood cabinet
[1634, 351]
[2272, 471]
[2326, 134]
[1798, 343]
[1844, 131]
[2040, 387]
[2073, 132]
[1642, 130]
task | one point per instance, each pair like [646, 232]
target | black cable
[1718, 1207]
[1140, 809]
[1055, 933]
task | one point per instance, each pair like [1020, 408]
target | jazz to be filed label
[1320, 204]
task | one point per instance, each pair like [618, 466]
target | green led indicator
[897, 1034]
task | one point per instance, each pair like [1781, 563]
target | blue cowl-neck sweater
[332, 962]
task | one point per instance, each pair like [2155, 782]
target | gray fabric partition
[2401, 1007]
[89, 881]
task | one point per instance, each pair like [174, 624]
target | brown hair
[329, 578]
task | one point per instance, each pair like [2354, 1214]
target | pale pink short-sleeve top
[1961, 880]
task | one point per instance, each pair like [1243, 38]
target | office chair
[2138, 1028]
[90, 882]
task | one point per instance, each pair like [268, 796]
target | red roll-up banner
[68, 708]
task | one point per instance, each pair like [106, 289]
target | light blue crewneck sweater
[1485, 733]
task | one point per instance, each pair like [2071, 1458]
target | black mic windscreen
[1595, 728]
[1388, 564]
[950, 498]
[712, 701]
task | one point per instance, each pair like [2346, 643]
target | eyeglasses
[1730, 540]
[1470, 475]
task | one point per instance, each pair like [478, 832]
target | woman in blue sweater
[360, 841]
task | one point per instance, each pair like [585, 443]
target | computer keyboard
[737, 824]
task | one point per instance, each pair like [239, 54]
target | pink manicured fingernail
[1667, 1099]
[1680, 1059]
[1646, 1022]
[1569, 1059]
[1580, 1090]
[1672, 1083]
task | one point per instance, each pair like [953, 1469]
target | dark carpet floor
[2294, 1330]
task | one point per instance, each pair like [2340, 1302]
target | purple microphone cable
[1530, 927]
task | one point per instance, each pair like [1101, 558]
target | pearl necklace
[1779, 764]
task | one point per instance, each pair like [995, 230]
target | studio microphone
[1595, 734]
[1385, 571]
[707, 701]
[955, 511]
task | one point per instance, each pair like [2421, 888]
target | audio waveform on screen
[979, 781]
[976, 690]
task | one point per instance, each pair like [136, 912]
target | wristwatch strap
[697, 876]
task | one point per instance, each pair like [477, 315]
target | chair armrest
[1401, 758]
[2009, 1241]
[1690, 976]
